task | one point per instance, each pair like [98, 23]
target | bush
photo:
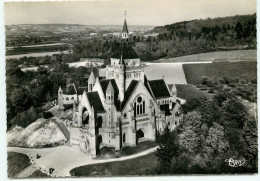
[47, 115]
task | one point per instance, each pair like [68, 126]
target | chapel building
[124, 108]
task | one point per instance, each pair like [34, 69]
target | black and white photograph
[130, 88]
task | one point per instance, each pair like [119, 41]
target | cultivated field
[195, 72]
[36, 49]
[172, 73]
[236, 55]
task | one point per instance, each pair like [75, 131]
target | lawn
[107, 152]
[143, 165]
[189, 91]
[244, 55]
[195, 72]
[16, 163]
[38, 174]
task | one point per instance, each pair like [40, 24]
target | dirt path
[65, 158]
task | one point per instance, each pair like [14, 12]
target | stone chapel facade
[124, 108]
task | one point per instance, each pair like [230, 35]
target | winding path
[65, 158]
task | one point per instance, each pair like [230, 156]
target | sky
[111, 12]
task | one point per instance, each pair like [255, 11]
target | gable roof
[129, 92]
[126, 50]
[159, 88]
[92, 78]
[95, 102]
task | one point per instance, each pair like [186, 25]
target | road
[65, 158]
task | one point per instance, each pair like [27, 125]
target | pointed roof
[126, 50]
[104, 84]
[125, 29]
[110, 89]
[92, 78]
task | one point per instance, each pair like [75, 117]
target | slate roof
[159, 88]
[129, 92]
[110, 89]
[95, 101]
[70, 90]
[104, 85]
[126, 50]
[125, 29]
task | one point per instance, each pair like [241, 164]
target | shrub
[47, 115]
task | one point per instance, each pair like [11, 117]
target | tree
[215, 142]
[167, 149]
[190, 136]
[233, 114]
[250, 137]
[20, 99]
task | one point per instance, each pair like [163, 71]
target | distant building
[93, 34]
[123, 109]
[88, 62]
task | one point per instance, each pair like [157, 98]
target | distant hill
[198, 36]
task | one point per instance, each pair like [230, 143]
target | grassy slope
[137, 166]
[242, 55]
[189, 91]
[16, 163]
[195, 72]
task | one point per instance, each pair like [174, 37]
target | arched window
[67, 99]
[139, 106]
[72, 98]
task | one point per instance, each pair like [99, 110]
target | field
[16, 163]
[236, 55]
[25, 50]
[195, 72]
[188, 92]
[143, 165]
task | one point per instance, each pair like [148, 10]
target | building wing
[159, 89]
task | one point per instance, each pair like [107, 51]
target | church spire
[125, 29]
